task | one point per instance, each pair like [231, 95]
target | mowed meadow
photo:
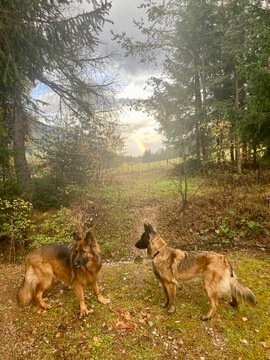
[225, 214]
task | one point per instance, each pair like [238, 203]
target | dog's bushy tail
[241, 292]
[28, 287]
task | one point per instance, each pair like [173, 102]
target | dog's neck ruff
[159, 244]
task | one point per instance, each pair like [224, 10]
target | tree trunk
[232, 151]
[245, 152]
[238, 155]
[203, 114]
[19, 134]
[237, 139]
[197, 135]
[254, 155]
[4, 142]
[198, 109]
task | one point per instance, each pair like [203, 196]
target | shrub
[51, 193]
[58, 227]
[15, 222]
[9, 189]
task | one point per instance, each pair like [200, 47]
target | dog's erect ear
[76, 237]
[149, 228]
[146, 228]
[89, 237]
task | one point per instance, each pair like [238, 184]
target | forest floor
[229, 217]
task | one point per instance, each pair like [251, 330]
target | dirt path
[12, 345]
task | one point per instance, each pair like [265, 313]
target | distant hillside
[38, 133]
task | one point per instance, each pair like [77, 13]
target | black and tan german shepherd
[77, 264]
[172, 267]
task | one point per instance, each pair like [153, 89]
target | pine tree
[52, 43]
[213, 95]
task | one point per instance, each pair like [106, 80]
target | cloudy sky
[131, 76]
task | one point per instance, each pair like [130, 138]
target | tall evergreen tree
[215, 74]
[54, 43]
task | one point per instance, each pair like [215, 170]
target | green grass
[151, 185]
[145, 167]
[135, 326]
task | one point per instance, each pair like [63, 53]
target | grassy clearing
[132, 198]
[145, 167]
[151, 185]
[135, 326]
[220, 214]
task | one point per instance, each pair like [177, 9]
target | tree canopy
[54, 43]
[213, 95]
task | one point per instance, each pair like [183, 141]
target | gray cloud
[122, 14]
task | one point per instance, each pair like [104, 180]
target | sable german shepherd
[76, 264]
[172, 267]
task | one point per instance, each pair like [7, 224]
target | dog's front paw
[84, 312]
[205, 318]
[45, 306]
[102, 300]
[171, 310]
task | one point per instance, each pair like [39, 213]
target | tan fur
[172, 267]
[58, 261]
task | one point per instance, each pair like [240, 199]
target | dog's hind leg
[213, 296]
[211, 287]
[44, 283]
[171, 293]
[167, 297]
[98, 294]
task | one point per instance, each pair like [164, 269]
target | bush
[15, 222]
[189, 168]
[9, 189]
[51, 193]
[58, 227]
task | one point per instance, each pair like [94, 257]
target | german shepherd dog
[172, 267]
[77, 264]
